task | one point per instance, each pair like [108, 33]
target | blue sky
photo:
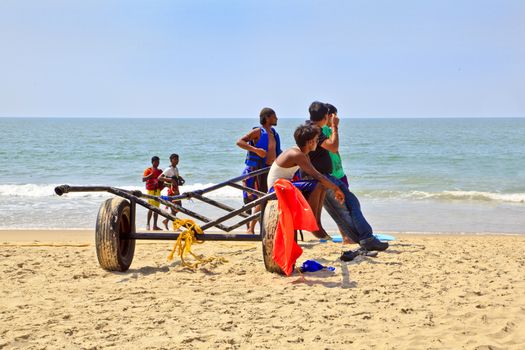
[231, 58]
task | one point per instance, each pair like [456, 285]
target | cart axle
[200, 237]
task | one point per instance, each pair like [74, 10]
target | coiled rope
[183, 244]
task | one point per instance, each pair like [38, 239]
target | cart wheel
[114, 253]
[270, 216]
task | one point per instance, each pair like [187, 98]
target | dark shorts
[305, 186]
[259, 183]
[262, 183]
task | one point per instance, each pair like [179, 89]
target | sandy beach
[425, 292]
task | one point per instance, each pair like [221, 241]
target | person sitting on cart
[348, 215]
[263, 145]
[153, 187]
[296, 158]
[172, 177]
[337, 164]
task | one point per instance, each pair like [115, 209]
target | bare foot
[347, 240]
[250, 232]
[156, 228]
[165, 222]
[148, 227]
[321, 234]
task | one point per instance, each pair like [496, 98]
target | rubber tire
[270, 217]
[114, 253]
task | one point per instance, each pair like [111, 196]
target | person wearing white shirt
[171, 176]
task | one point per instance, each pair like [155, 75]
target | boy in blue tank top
[263, 145]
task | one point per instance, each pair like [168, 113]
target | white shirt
[170, 172]
[277, 172]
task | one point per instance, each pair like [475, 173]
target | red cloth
[294, 214]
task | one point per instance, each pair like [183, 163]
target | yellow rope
[183, 243]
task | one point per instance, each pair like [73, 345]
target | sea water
[411, 175]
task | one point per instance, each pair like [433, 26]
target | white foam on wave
[43, 191]
[481, 196]
[450, 195]
[48, 190]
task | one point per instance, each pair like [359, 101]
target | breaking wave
[48, 190]
[451, 195]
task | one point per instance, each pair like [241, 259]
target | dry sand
[426, 292]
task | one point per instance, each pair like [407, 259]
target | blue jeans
[347, 216]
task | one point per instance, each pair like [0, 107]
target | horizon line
[250, 117]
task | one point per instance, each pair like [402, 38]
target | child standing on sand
[171, 176]
[153, 187]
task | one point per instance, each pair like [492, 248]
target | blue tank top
[253, 159]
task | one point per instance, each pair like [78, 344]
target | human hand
[339, 196]
[260, 152]
[335, 120]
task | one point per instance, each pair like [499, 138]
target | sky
[225, 58]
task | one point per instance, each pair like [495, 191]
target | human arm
[304, 163]
[164, 178]
[152, 178]
[253, 135]
[147, 175]
[332, 143]
[171, 175]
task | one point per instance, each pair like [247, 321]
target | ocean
[411, 175]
